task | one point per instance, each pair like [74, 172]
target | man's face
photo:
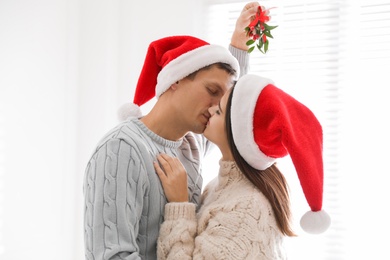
[195, 96]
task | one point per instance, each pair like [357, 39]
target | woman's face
[215, 130]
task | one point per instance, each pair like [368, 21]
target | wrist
[239, 40]
[178, 198]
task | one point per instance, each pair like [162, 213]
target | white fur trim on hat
[242, 120]
[129, 110]
[315, 222]
[192, 61]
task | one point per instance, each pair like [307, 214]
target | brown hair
[270, 181]
[224, 66]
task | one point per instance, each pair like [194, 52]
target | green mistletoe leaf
[268, 33]
[269, 27]
[260, 45]
[266, 46]
[250, 42]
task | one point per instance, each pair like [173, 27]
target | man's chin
[200, 129]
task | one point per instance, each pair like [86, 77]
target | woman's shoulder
[247, 197]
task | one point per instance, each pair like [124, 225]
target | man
[124, 199]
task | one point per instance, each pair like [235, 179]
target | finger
[178, 164]
[249, 13]
[172, 162]
[161, 174]
[164, 162]
[252, 5]
[166, 157]
[161, 157]
[180, 170]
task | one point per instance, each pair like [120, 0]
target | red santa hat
[271, 125]
[171, 59]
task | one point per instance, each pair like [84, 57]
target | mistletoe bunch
[259, 30]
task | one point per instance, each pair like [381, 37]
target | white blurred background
[67, 65]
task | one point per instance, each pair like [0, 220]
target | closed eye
[213, 92]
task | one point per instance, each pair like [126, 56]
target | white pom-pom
[129, 110]
[315, 222]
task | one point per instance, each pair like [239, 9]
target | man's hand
[239, 37]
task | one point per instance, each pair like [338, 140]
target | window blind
[2, 161]
[375, 23]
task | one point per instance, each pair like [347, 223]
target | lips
[207, 116]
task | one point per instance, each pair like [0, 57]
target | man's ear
[174, 85]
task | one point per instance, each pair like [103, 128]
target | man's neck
[162, 123]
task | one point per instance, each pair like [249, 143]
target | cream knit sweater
[235, 221]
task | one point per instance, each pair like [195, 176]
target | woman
[245, 212]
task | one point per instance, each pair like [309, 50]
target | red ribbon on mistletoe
[259, 30]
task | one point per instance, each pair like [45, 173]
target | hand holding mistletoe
[259, 30]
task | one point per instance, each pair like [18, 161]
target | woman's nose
[211, 110]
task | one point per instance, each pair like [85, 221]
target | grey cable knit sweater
[124, 199]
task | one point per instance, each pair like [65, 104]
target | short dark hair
[224, 66]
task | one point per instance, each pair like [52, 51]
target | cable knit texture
[124, 199]
[235, 222]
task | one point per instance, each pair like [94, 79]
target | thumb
[161, 174]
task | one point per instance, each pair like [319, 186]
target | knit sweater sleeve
[243, 59]
[114, 187]
[177, 232]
